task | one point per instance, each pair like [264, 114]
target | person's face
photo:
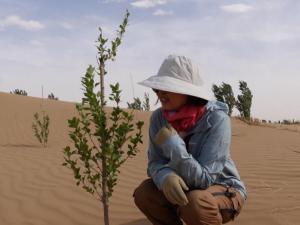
[170, 100]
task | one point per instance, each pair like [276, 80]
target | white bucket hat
[177, 74]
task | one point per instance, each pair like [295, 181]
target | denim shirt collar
[204, 123]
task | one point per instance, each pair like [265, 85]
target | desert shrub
[40, 127]
[146, 103]
[137, 104]
[287, 122]
[251, 121]
[19, 92]
[52, 97]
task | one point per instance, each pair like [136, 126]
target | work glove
[164, 133]
[173, 188]
[174, 150]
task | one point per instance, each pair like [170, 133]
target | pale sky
[50, 43]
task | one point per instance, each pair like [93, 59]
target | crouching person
[192, 176]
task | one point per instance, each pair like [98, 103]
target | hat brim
[170, 84]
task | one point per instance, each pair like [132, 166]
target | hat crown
[178, 74]
[182, 68]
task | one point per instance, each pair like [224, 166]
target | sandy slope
[36, 190]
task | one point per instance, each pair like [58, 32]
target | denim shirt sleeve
[202, 171]
[158, 168]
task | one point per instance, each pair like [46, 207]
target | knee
[203, 202]
[202, 199]
[142, 193]
[202, 209]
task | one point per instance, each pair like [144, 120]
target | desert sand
[35, 189]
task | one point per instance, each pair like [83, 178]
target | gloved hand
[164, 133]
[173, 189]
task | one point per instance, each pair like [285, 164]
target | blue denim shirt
[206, 161]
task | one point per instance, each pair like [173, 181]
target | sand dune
[36, 190]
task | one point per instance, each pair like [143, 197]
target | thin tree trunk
[103, 143]
[102, 71]
[104, 193]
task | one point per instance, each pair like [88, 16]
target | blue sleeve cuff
[174, 148]
[160, 177]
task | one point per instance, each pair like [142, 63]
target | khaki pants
[205, 207]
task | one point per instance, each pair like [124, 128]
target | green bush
[41, 127]
[137, 104]
[99, 137]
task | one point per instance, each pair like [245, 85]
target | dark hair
[192, 100]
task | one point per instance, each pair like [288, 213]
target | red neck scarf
[185, 118]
